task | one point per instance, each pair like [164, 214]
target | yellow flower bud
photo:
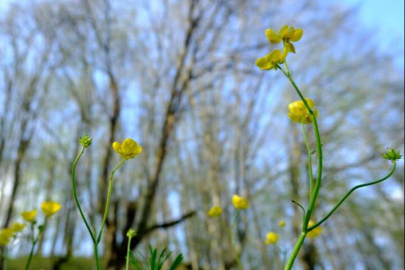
[299, 113]
[282, 223]
[17, 227]
[29, 216]
[128, 149]
[315, 232]
[240, 203]
[215, 211]
[50, 208]
[271, 238]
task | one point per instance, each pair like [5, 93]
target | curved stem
[310, 173]
[108, 200]
[314, 195]
[348, 194]
[75, 194]
[317, 185]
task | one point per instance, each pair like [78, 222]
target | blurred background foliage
[178, 76]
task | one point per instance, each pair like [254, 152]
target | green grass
[44, 263]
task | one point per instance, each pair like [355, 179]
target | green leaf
[176, 262]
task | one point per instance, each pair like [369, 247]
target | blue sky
[387, 18]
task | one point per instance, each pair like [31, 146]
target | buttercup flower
[17, 227]
[287, 34]
[29, 216]
[50, 208]
[282, 223]
[392, 155]
[215, 211]
[240, 203]
[271, 60]
[5, 236]
[128, 149]
[315, 232]
[299, 113]
[271, 238]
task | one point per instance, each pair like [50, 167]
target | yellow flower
[299, 113]
[29, 216]
[240, 203]
[271, 238]
[287, 34]
[215, 211]
[271, 60]
[282, 223]
[17, 227]
[315, 232]
[5, 236]
[50, 208]
[128, 149]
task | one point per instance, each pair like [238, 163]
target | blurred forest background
[178, 76]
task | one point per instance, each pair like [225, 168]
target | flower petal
[297, 35]
[272, 36]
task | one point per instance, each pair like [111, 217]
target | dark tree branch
[170, 223]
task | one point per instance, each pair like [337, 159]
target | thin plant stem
[314, 193]
[27, 265]
[77, 199]
[348, 194]
[96, 257]
[34, 242]
[296, 249]
[231, 234]
[107, 205]
[5, 258]
[128, 251]
[310, 173]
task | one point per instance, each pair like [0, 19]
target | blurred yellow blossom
[240, 203]
[17, 227]
[5, 236]
[271, 238]
[287, 34]
[215, 211]
[271, 60]
[282, 223]
[299, 113]
[50, 208]
[29, 216]
[315, 232]
[128, 149]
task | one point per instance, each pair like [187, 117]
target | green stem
[5, 258]
[128, 250]
[75, 195]
[108, 200]
[27, 266]
[348, 194]
[80, 208]
[315, 192]
[96, 258]
[310, 173]
[231, 234]
[296, 249]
